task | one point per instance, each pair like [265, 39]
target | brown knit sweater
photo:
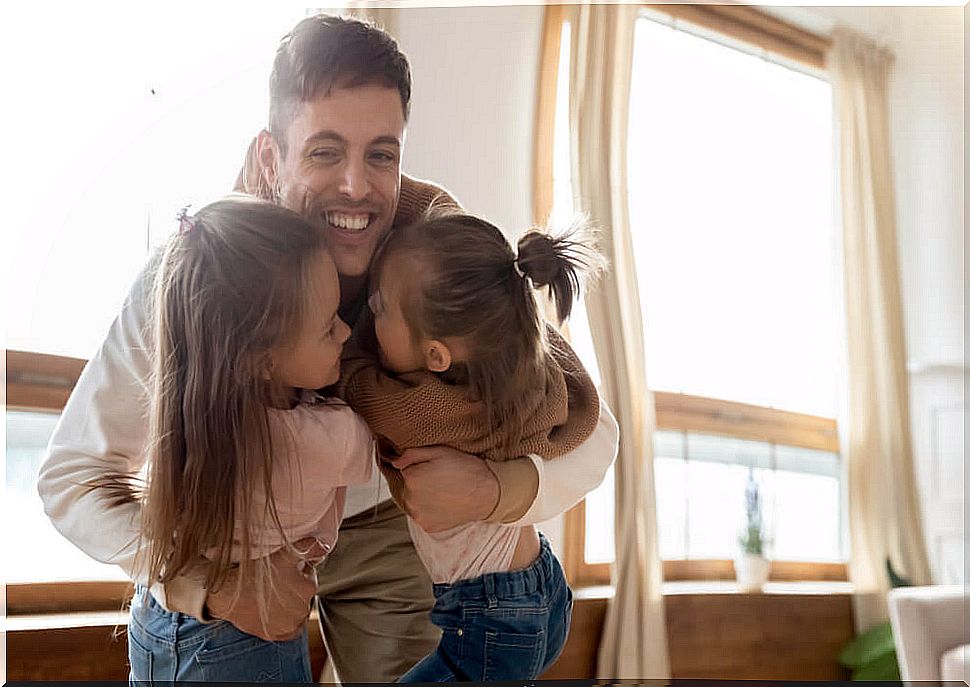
[419, 409]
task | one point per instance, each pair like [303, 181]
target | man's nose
[353, 180]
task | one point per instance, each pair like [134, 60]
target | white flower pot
[751, 571]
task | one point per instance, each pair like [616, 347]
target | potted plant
[751, 568]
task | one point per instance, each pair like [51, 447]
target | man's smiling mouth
[348, 221]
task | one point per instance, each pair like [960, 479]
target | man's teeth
[353, 222]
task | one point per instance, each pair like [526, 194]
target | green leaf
[868, 647]
[883, 668]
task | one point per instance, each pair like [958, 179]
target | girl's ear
[266, 368]
[437, 356]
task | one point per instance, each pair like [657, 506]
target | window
[52, 558]
[732, 211]
[149, 112]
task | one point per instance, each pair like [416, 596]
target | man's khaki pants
[374, 597]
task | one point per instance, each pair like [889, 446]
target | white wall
[471, 129]
[472, 117]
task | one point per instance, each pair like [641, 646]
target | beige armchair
[930, 632]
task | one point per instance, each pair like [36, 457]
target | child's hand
[288, 605]
[444, 488]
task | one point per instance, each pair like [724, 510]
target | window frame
[685, 412]
[756, 30]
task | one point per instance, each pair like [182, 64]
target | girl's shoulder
[327, 428]
[316, 409]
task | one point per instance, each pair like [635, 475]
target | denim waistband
[513, 583]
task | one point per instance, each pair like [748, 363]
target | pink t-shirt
[320, 449]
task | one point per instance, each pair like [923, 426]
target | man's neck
[351, 292]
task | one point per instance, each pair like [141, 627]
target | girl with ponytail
[462, 356]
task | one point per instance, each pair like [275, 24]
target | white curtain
[634, 643]
[884, 511]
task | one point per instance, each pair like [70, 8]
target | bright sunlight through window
[732, 213]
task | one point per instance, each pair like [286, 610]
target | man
[339, 103]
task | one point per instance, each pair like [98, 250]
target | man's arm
[101, 435]
[565, 481]
[445, 488]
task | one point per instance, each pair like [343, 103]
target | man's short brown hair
[323, 52]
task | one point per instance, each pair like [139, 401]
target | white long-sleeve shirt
[103, 430]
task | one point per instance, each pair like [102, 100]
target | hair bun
[560, 261]
[538, 258]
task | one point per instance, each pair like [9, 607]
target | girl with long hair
[244, 460]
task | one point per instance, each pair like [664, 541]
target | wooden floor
[794, 636]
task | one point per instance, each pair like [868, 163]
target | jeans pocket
[229, 655]
[140, 662]
[233, 656]
[514, 655]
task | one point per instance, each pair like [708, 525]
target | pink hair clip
[186, 221]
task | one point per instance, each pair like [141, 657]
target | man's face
[342, 169]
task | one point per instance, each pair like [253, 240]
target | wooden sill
[51, 621]
[725, 587]
[62, 621]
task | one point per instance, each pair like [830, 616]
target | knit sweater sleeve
[418, 196]
[561, 483]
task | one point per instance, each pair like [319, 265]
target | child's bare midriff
[527, 550]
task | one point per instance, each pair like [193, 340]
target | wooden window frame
[698, 414]
[679, 411]
[742, 23]
[39, 382]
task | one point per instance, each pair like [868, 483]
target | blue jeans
[500, 626]
[166, 646]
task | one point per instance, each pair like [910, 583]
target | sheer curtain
[634, 641]
[884, 511]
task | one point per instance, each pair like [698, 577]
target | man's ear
[268, 160]
[437, 356]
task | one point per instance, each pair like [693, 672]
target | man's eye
[324, 154]
[383, 157]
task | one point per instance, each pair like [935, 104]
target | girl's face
[310, 359]
[399, 351]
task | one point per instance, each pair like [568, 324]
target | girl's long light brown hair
[226, 291]
[468, 283]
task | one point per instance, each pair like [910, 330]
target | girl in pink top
[243, 460]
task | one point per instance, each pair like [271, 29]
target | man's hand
[289, 600]
[444, 488]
